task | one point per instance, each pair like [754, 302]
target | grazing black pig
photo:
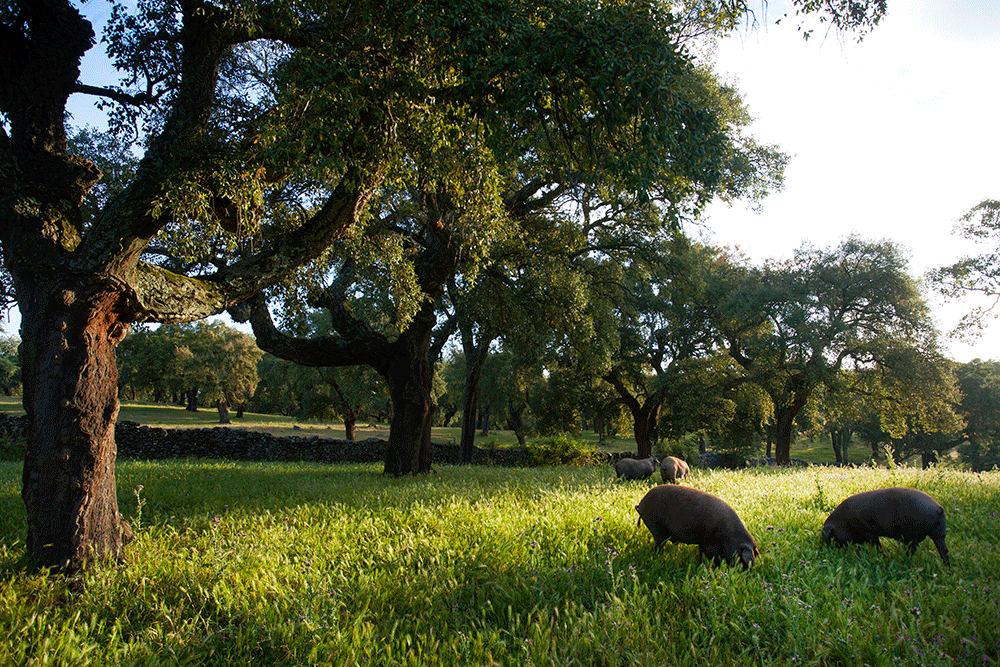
[635, 469]
[898, 513]
[689, 516]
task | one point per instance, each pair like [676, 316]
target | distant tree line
[696, 343]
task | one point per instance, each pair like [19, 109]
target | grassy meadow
[300, 564]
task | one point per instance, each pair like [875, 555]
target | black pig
[898, 513]
[689, 516]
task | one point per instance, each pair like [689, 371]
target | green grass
[293, 564]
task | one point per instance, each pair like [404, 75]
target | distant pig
[689, 516]
[898, 513]
[673, 469]
[635, 469]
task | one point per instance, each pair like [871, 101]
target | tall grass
[294, 564]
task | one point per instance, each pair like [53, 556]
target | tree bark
[409, 377]
[644, 415]
[191, 400]
[470, 409]
[515, 421]
[71, 400]
[350, 427]
[449, 414]
[223, 409]
[841, 438]
[645, 428]
[475, 360]
[484, 421]
[784, 426]
[404, 364]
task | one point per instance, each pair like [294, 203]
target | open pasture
[293, 564]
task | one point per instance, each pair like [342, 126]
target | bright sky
[894, 137]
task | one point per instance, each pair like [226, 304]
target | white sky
[893, 137]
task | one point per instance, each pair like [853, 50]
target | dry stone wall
[137, 441]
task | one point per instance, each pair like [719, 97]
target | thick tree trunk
[409, 376]
[515, 422]
[644, 425]
[838, 454]
[784, 427]
[784, 419]
[408, 449]
[350, 427]
[470, 398]
[191, 400]
[475, 360]
[71, 400]
[223, 409]
[644, 415]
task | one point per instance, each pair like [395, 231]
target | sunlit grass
[314, 564]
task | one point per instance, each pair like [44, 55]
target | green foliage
[685, 447]
[319, 393]
[560, 450]
[12, 448]
[291, 564]
[795, 326]
[10, 365]
[217, 361]
[979, 274]
[116, 162]
[979, 382]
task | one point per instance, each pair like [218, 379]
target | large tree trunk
[409, 376]
[408, 449]
[784, 420]
[470, 408]
[351, 426]
[644, 415]
[475, 360]
[784, 427]
[191, 400]
[841, 438]
[484, 421]
[71, 399]
[644, 425]
[515, 422]
[223, 407]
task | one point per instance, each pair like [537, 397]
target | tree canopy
[978, 274]
[266, 129]
[795, 326]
